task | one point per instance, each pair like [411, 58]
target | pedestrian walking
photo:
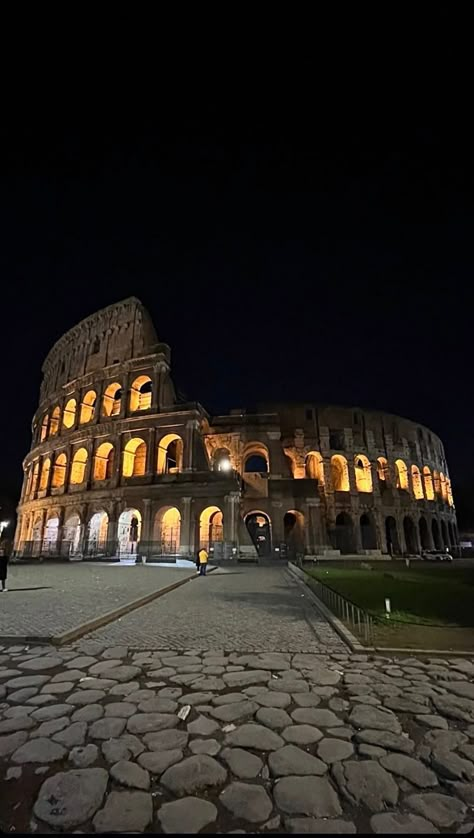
[5, 552]
[198, 561]
[203, 559]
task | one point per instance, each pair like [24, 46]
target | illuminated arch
[104, 461]
[69, 415]
[129, 531]
[450, 492]
[28, 480]
[259, 527]
[54, 421]
[416, 482]
[444, 490]
[50, 537]
[339, 473]
[134, 458]
[78, 468]
[97, 533]
[211, 523]
[382, 469]
[170, 454]
[59, 471]
[221, 460]
[34, 479]
[87, 407]
[436, 483]
[140, 393]
[294, 531]
[428, 481]
[314, 467]
[256, 458]
[167, 529]
[112, 400]
[71, 535]
[363, 473]
[45, 469]
[44, 427]
[401, 473]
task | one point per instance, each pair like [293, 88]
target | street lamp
[3, 526]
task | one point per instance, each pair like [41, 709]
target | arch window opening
[88, 407]
[167, 531]
[382, 470]
[293, 532]
[259, 529]
[391, 535]
[71, 536]
[428, 481]
[363, 473]
[50, 539]
[452, 534]
[436, 483]
[416, 482]
[69, 415]
[44, 428]
[104, 461]
[54, 421]
[128, 532]
[450, 493]
[367, 532]
[78, 468]
[134, 458]
[170, 454]
[314, 467]
[211, 527]
[401, 473]
[256, 464]
[140, 393]
[34, 480]
[97, 533]
[342, 534]
[409, 531]
[424, 534]
[112, 400]
[340, 473]
[59, 471]
[445, 536]
[221, 460]
[436, 534]
[45, 469]
[443, 487]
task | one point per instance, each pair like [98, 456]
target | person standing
[203, 559]
[198, 561]
[5, 552]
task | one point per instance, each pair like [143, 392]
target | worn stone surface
[186, 816]
[39, 750]
[316, 717]
[291, 760]
[166, 740]
[125, 811]
[385, 739]
[247, 802]
[307, 796]
[69, 798]
[440, 809]
[242, 763]
[234, 712]
[273, 717]
[391, 823]
[12, 742]
[107, 728]
[73, 735]
[366, 782]
[255, 736]
[302, 734]
[194, 773]
[374, 718]
[411, 769]
[451, 765]
[83, 757]
[334, 750]
[158, 761]
[319, 826]
[130, 774]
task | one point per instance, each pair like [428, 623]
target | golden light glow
[167, 529]
[340, 473]
[170, 454]
[363, 473]
[104, 461]
[401, 474]
[444, 490]
[97, 531]
[417, 484]
[44, 428]
[210, 526]
[59, 471]
[134, 458]
[450, 492]
[436, 482]
[29, 477]
[34, 481]
[87, 407]
[314, 467]
[112, 400]
[54, 422]
[45, 469]
[428, 481]
[382, 469]
[140, 393]
[78, 468]
[69, 415]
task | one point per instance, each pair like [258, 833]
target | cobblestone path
[96, 738]
[240, 608]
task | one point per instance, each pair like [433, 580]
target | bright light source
[4, 524]
[225, 465]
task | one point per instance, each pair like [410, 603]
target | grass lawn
[432, 607]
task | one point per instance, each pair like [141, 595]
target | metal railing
[358, 619]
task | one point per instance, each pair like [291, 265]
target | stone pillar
[231, 518]
[125, 400]
[188, 454]
[313, 539]
[112, 531]
[151, 456]
[186, 539]
[88, 469]
[145, 535]
[60, 530]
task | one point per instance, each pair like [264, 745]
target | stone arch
[294, 531]
[141, 393]
[436, 534]
[428, 481]
[71, 535]
[314, 467]
[409, 531]
[78, 467]
[97, 533]
[44, 427]
[339, 473]
[416, 483]
[211, 526]
[256, 458]
[401, 475]
[343, 534]
[88, 407]
[59, 471]
[104, 461]
[45, 469]
[425, 540]
[259, 527]
[134, 458]
[391, 535]
[436, 483]
[112, 399]
[444, 534]
[363, 473]
[444, 490]
[450, 492]
[54, 421]
[129, 531]
[50, 536]
[368, 533]
[383, 470]
[69, 413]
[170, 454]
[167, 530]
[34, 479]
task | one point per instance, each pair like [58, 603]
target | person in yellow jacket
[203, 560]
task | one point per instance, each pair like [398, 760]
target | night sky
[275, 267]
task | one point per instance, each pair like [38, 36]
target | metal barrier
[359, 620]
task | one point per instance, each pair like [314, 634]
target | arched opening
[128, 532]
[69, 415]
[259, 529]
[428, 481]
[87, 407]
[134, 458]
[36, 535]
[170, 454]
[343, 534]
[401, 475]
[97, 533]
[256, 464]
[44, 428]
[140, 393]
[339, 473]
[450, 492]
[78, 467]
[29, 478]
[50, 538]
[444, 534]
[59, 471]
[112, 400]
[382, 470]
[314, 467]
[45, 469]
[54, 421]
[293, 529]
[444, 491]
[211, 527]
[436, 483]
[167, 531]
[436, 535]
[367, 532]
[416, 482]
[363, 473]
[34, 480]
[424, 534]
[221, 460]
[391, 535]
[409, 531]
[104, 461]
[452, 535]
[71, 536]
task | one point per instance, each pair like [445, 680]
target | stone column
[90, 459]
[60, 530]
[313, 538]
[186, 540]
[231, 518]
[151, 457]
[145, 535]
[112, 530]
[188, 455]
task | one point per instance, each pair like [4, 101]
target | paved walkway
[239, 608]
[123, 740]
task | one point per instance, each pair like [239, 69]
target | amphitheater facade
[120, 467]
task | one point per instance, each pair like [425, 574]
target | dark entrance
[436, 536]
[444, 531]
[367, 533]
[424, 534]
[258, 525]
[391, 534]
[293, 527]
[411, 545]
[343, 534]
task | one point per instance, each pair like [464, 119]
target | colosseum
[120, 467]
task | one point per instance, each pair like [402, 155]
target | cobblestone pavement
[47, 599]
[240, 608]
[96, 738]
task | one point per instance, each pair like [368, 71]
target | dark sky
[276, 267]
